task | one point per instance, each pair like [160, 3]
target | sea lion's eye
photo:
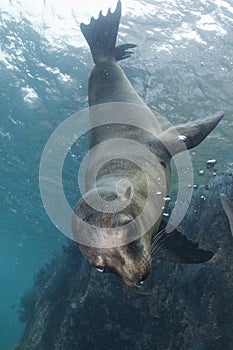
[100, 268]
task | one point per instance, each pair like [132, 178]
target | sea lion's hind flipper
[175, 247]
[101, 34]
[121, 51]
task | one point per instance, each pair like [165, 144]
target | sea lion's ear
[185, 136]
[126, 195]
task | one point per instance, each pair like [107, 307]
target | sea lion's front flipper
[228, 207]
[175, 247]
[185, 136]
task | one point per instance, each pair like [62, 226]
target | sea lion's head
[114, 244]
[132, 262]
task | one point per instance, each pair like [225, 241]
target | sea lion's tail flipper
[228, 207]
[101, 35]
[185, 136]
[175, 247]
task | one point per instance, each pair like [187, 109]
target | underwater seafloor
[72, 306]
[182, 67]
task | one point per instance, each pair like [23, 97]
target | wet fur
[108, 83]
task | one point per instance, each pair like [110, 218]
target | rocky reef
[185, 307]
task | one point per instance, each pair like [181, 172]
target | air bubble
[181, 138]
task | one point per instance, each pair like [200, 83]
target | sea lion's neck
[108, 83]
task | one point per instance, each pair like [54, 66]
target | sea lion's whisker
[157, 249]
[154, 244]
[146, 261]
[159, 233]
[157, 237]
[158, 246]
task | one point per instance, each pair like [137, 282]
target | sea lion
[124, 238]
[228, 207]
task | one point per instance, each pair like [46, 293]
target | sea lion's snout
[132, 270]
[137, 280]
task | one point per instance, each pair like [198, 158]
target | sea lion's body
[110, 92]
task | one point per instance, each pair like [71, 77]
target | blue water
[183, 67]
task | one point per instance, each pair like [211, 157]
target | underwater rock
[181, 306]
